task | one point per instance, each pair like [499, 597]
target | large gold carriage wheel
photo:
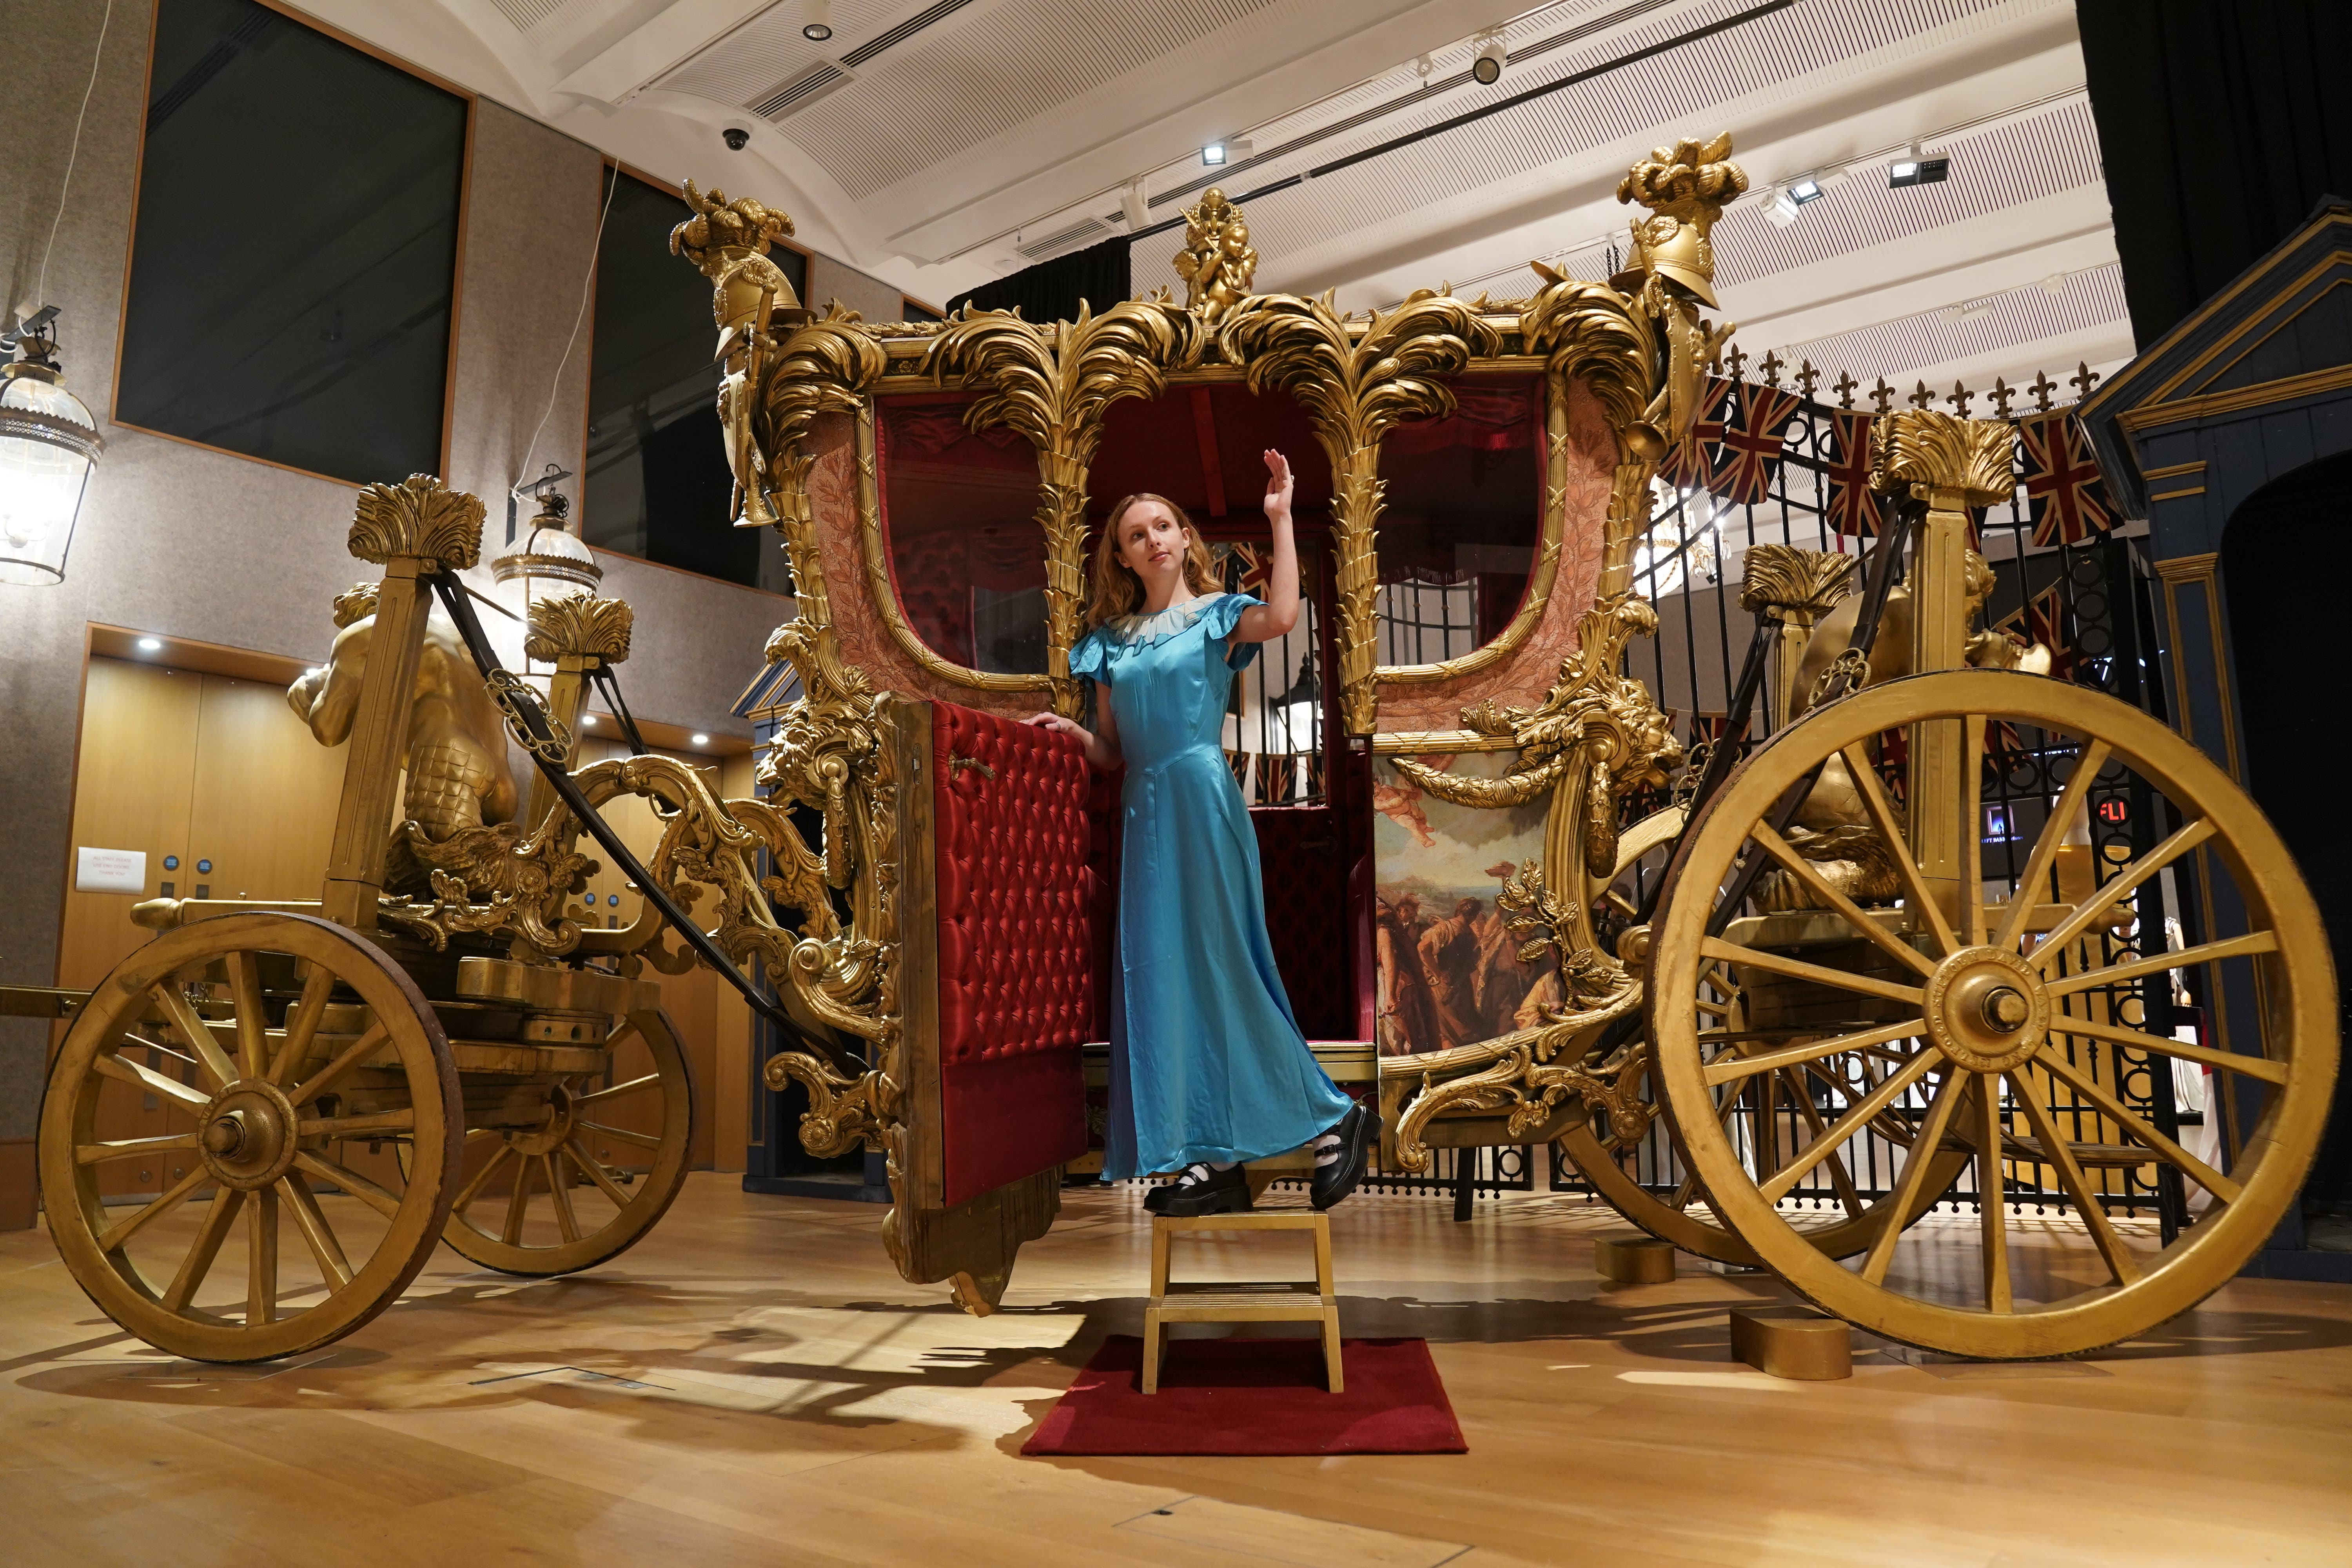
[250, 1074]
[1681, 1218]
[595, 1210]
[1983, 1029]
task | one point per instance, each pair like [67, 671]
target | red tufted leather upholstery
[1018, 926]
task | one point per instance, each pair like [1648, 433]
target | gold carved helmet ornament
[720, 237]
[1686, 187]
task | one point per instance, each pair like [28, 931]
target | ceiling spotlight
[1213, 154]
[818, 25]
[1486, 70]
[1780, 207]
[1131, 203]
[1808, 189]
[702, 740]
[151, 645]
[1913, 169]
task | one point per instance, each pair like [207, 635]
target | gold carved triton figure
[1217, 262]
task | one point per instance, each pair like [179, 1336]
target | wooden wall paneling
[263, 805]
[131, 791]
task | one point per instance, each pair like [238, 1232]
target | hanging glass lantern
[548, 560]
[49, 444]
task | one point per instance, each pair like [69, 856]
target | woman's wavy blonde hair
[1115, 589]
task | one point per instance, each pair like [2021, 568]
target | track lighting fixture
[817, 24]
[1486, 68]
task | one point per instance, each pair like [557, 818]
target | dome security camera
[736, 137]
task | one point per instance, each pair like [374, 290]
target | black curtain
[2222, 124]
[1050, 291]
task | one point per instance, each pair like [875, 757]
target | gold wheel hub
[555, 1132]
[1986, 1009]
[249, 1135]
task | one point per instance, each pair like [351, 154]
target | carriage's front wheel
[1997, 1013]
[245, 1052]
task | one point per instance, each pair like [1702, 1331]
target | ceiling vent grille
[798, 92]
[1085, 229]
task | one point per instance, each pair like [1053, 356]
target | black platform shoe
[1200, 1191]
[1338, 1179]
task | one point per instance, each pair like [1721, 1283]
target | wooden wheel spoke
[261, 1255]
[518, 1207]
[2058, 1153]
[1991, 1195]
[384, 1202]
[1798, 969]
[594, 1171]
[193, 1032]
[1973, 754]
[1805, 871]
[122, 1230]
[311, 1221]
[252, 1024]
[2125, 1034]
[1727, 1069]
[1882, 817]
[1906, 1194]
[334, 1072]
[2223, 1187]
[2063, 935]
[473, 1188]
[633, 1085]
[142, 1042]
[641, 1140]
[199, 1260]
[2187, 958]
[1802, 1096]
[1860, 1111]
[122, 1148]
[566, 1223]
[146, 1077]
[352, 1126]
[2027, 894]
[302, 1023]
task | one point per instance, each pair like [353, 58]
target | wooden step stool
[1284, 1302]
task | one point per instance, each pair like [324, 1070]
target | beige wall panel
[133, 791]
[263, 810]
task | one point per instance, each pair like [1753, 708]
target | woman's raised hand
[1279, 482]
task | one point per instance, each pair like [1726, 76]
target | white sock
[1326, 1148]
[1222, 1166]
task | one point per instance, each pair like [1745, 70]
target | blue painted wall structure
[2253, 387]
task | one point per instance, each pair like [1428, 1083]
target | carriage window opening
[1464, 513]
[314, 334]
[657, 484]
[959, 516]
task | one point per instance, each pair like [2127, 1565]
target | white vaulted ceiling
[941, 145]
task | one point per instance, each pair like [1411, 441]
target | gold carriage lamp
[550, 558]
[49, 444]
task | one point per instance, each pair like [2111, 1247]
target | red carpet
[1255, 1396]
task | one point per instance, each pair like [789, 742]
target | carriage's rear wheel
[583, 1186]
[246, 1051]
[2007, 1033]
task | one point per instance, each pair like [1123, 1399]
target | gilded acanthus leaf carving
[1355, 386]
[421, 518]
[1052, 383]
[1786, 578]
[1968, 462]
[1592, 330]
[579, 624]
[824, 367]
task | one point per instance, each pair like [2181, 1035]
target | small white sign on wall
[109, 870]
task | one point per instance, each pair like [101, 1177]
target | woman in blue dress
[1208, 1067]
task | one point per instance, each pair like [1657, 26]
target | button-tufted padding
[1020, 916]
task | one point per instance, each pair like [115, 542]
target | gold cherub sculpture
[1216, 262]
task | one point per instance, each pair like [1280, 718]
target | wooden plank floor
[753, 1383]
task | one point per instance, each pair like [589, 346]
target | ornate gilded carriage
[926, 883]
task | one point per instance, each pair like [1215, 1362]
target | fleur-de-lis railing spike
[1882, 396]
[1960, 398]
[2085, 378]
[1735, 360]
[1771, 364]
[1846, 386]
[1806, 376]
[1920, 396]
[2001, 392]
[2041, 389]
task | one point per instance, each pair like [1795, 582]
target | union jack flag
[1256, 569]
[1686, 464]
[2062, 480]
[1851, 508]
[1750, 447]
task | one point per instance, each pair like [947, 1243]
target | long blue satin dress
[1207, 1062]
